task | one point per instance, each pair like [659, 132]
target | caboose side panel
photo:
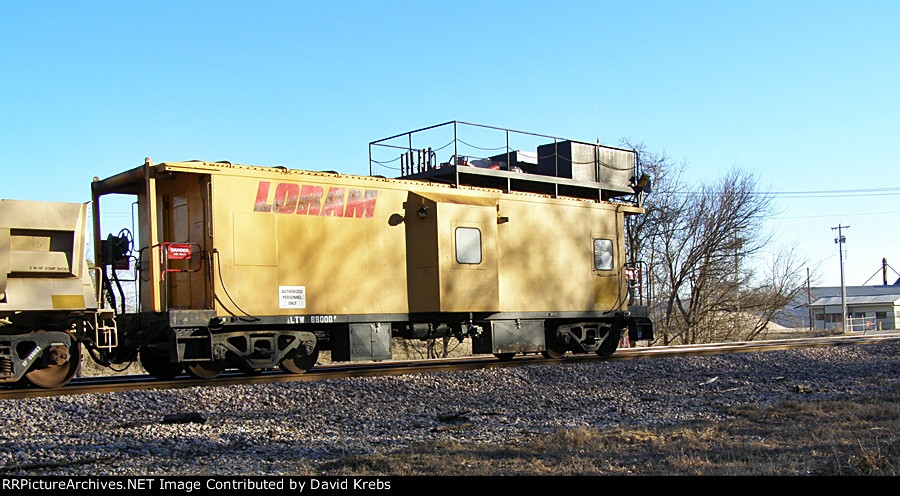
[285, 247]
[470, 251]
[546, 262]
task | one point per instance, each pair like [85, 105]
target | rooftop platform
[492, 157]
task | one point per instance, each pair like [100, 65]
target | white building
[868, 308]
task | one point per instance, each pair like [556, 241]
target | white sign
[292, 296]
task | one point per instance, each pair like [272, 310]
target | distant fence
[863, 324]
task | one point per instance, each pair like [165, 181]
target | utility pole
[809, 302]
[840, 240]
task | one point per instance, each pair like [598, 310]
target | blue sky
[804, 94]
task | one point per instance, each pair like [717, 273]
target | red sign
[178, 251]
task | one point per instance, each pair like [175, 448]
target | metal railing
[417, 151]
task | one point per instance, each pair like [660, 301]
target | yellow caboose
[258, 267]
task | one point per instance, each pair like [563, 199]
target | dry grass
[859, 437]
[793, 438]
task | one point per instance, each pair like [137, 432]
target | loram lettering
[307, 199]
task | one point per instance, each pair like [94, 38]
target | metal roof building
[868, 308]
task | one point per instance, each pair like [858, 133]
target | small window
[468, 245]
[603, 254]
[820, 316]
[880, 315]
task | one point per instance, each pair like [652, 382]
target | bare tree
[783, 283]
[427, 348]
[701, 245]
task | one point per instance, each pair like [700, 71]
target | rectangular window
[820, 316]
[603, 254]
[880, 315]
[468, 245]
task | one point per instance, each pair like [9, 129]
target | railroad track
[107, 384]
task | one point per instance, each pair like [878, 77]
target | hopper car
[255, 268]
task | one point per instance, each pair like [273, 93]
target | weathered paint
[291, 198]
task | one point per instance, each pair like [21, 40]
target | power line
[832, 215]
[836, 193]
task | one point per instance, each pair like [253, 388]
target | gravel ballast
[291, 428]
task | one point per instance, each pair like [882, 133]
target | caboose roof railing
[523, 161]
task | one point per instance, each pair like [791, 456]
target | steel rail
[109, 384]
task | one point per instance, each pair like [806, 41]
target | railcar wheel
[554, 350]
[504, 357]
[206, 370]
[158, 365]
[611, 342]
[65, 363]
[553, 354]
[300, 364]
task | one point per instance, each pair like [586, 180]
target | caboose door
[452, 262]
[184, 243]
